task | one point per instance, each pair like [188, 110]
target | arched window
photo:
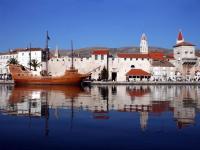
[132, 66]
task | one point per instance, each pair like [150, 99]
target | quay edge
[144, 83]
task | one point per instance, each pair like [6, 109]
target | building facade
[122, 67]
[145, 65]
[23, 56]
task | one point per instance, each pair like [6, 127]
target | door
[114, 76]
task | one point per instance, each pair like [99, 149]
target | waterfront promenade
[146, 83]
[6, 82]
[128, 83]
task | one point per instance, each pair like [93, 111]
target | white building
[162, 70]
[122, 67]
[23, 56]
[185, 60]
[4, 58]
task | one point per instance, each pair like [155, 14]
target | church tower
[144, 44]
[56, 52]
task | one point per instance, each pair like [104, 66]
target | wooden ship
[22, 75]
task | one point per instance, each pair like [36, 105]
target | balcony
[189, 61]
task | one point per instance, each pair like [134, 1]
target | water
[100, 117]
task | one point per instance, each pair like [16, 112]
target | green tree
[13, 61]
[34, 63]
[104, 74]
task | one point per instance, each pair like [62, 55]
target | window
[132, 66]
[96, 57]
[102, 57]
[57, 60]
[191, 52]
[22, 54]
[178, 52]
[131, 58]
[186, 52]
[125, 59]
[136, 58]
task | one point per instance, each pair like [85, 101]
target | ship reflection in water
[100, 117]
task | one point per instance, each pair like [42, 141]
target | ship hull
[48, 82]
[71, 77]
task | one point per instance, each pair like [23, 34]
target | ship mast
[45, 55]
[72, 51]
[47, 51]
[30, 56]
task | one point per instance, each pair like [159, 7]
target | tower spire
[56, 52]
[180, 38]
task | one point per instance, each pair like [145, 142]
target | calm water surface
[100, 117]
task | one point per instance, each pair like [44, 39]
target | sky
[109, 23]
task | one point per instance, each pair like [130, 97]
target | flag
[48, 38]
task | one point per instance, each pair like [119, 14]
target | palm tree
[13, 61]
[34, 63]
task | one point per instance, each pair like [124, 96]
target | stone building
[185, 60]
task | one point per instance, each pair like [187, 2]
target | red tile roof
[184, 44]
[156, 55]
[170, 56]
[137, 72]
[180, 36]
[152, 55]
[100, 52]
[132, 55]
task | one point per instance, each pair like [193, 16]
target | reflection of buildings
[100, 100]
[5, 92]
[184, 107]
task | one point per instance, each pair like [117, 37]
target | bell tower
[144, 44]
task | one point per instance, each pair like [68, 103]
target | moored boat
[23, 75]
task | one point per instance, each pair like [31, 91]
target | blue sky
[111, 23]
